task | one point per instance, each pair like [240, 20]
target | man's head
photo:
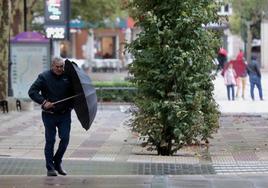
[57, 66]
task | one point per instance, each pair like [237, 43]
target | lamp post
[25, 14]
[51, 46]
[9, 82]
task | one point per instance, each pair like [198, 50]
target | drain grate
[11, 166]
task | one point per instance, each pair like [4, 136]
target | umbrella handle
[68, 98]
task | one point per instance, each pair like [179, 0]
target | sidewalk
[240, 105]
[125, 181]
[239, 146]
[238, 152]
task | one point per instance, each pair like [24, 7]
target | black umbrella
[85, 98]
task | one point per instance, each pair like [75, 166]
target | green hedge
[115, 91]
[112, 84]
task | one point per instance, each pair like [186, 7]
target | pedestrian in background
[221, 59]
[49, 87]
[254, 73]
[229, 75]
[240, 68]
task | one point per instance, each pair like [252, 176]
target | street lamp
[25, 14]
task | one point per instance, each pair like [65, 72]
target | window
[104, 47]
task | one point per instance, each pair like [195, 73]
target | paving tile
[223, 159]
[232, 183]
[262, 155]
[240, 140]
[83, 153]
[187, 160]
[104, 156]
[190, 184]
[139, 158]
[245, 156]
[92, 143]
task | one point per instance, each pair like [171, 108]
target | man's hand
[47, 105]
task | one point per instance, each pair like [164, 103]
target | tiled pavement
[240, 146]
[109, 155]
[14, 166]
[148, 181]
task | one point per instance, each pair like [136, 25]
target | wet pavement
[240, 146]
[110, 152]
[148, 181]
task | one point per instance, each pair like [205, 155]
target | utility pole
[9, 89]
[9, 81]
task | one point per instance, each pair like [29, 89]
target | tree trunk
[165, 150]
[30, 12]
[11, 23]
[17, 17]
[4, 35]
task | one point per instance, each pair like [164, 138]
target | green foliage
[247, 11]
[173, 72]
[93, 11]
[115, 91]
[116, 95]
[112, 84]
[247, 19]
[98, 11]
[235, 24]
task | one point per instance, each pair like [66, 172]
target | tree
[246, 19]
[172, 70]
[4, 33]
[11, 23]
[90, 11]
[95, 11]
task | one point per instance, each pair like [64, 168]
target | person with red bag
[221, 59]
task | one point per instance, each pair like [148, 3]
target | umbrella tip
[67, 60]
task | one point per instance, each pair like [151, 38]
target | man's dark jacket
[51, 87]
[253, 69]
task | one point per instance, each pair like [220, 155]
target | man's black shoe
[51, 173]
[60, 170]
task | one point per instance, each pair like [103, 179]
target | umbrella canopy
[85, 103]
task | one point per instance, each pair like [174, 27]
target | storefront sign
[55, 11]
[57, 32]
[57, 19]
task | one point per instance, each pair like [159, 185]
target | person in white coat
[230, 81]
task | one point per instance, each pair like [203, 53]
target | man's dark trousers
[255, 80]
[62, 122]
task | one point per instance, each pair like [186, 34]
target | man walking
[51, 86]
[254, 77]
